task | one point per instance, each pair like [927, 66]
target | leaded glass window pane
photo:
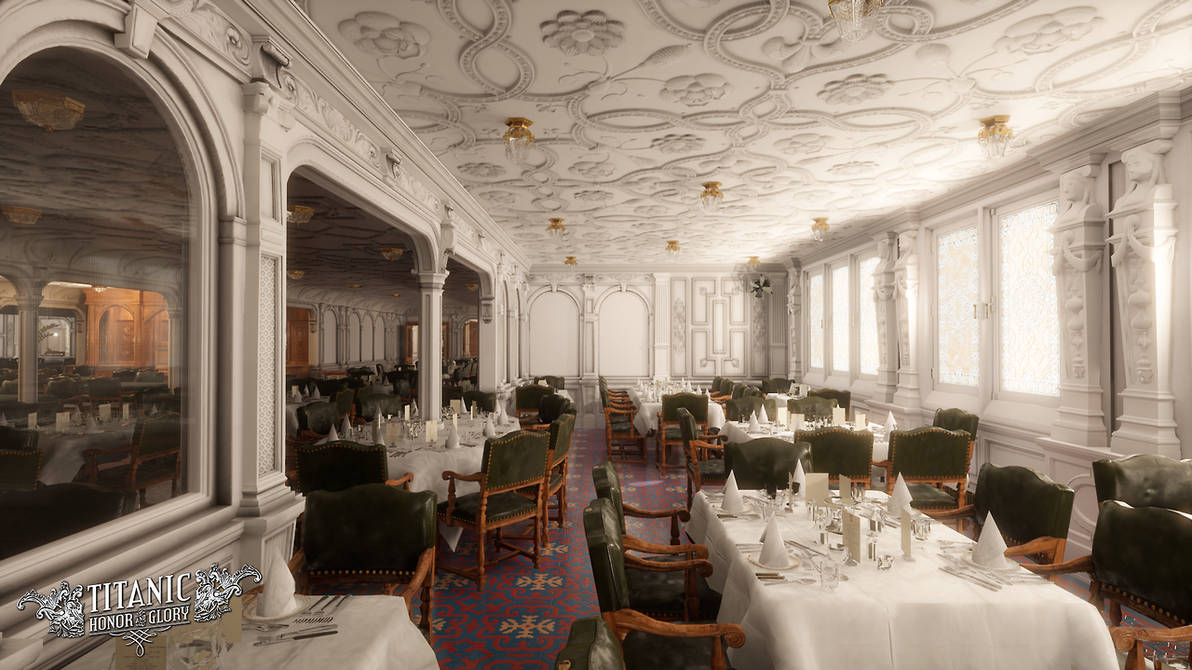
[815, 325]
[957, 292]
[840, 329]
[1029, 337]
[868, 326]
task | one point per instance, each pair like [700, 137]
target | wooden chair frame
[133, 462]
[622, 447]
[663, 445]
[625, 620]
[938, 482]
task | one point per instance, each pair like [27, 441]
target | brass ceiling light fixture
[472, 287]
[711, 197]
[21, 216]
[517, 138]
[395, 294]
[51, 111]
[672, 247]
[299, 214]
[354, 286]
[753, 263]
[392, 253]
[556, 228]
[570, 260]
[995, 135]
[854, 18]
[295, 274]
[819, 228]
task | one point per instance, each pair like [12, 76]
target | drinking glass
[921, 528]
[857, 493]
[829, 573]
[823, 517]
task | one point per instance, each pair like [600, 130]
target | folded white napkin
[316, 395]
[452, 437]
[763, 417]
[774, 549]
[800, 478]
[278, 599]
[489, 429]
[891, 424]
[345, 428]
[332, 436]
[754, 424]
[900, 498]
[990, 551]
[733, 502]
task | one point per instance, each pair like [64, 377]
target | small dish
[755, 558]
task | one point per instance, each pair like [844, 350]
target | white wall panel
[327, 327]
[624, 336]
[353, 336]
[554, 335]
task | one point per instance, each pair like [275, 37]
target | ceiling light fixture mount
[354, 285]
[995, 135]
[51, 111]
[472, 287]
[556, 227]
[672, 247]
[295, 274]
[517, 138]
[819, 229]
[570, 260]
[21, 216]
[392, 253]
[753, 263]
[854, 18]
[299, 214]
[711, 197]
[395, 294]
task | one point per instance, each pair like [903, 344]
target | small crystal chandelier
[51, 111]
[853, 17]
[299, 214]
[995, 135]
[392, 253]
[517, 138]
[295, 274]
[21, 216]
[472, 287]
[753, 263]
[711, 197]
[354, 285]
[570, 260]
[819, 229]
[556, 227]
[395, 294]
[672, 247]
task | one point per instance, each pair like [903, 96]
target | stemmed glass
[857, 493]
[823, 518]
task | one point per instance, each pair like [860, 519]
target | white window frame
[830, 318]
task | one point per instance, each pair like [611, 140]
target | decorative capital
[1146, 175]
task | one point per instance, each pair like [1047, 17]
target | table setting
[63, 443]
[788, 424]
[648, 401]
[819, 578]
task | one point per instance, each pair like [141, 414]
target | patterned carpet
[521, 619]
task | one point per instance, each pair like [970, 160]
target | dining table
[62, 452]
[738, 431]
[358, 632]
[648, 408]
[931, 609]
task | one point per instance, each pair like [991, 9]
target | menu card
[457, 406]
[817, 487]
[231, 622]
[154, 658]
[32, 420]
[905, 523]
[846, 485]
[61, 421]
[861, 420]
[105, 412]
[127, 411]
[838, 416]
[780, 413]
[406, 412]
[851, 524]
[432, 431]
[796, 421]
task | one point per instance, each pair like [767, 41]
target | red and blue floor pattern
[522, 617]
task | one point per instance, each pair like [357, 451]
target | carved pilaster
[430, 383]
[906, 294]
[884, 290]
[1143, 253]
[794, 324]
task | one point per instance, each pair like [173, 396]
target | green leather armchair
[372, 404]
[766, 462]
[527, 399]
[742, 389]
[370, 533]
[555, 382]
[619, 601]
[842, 398]
[1139, 560]
[552, 407]
[668, 422]
[608, 486]
[776, 385]
[957, 419]
[316, 419]
[338, 465]
[20, 459]
[622, 442]
[812, 407]
[510, 463]
[52, 512]
[345, 402]
[561, 431]
[484, 401]
[1032, 512]
[153, 457]
[928, 458]
[740, 409]
[593, 645]
[703, 456]
[1145, 480]
[837, 451]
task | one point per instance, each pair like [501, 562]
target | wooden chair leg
[480, 555]
[1115, 612]
[538, 536]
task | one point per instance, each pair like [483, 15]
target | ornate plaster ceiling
[635, 102]
[341, 245]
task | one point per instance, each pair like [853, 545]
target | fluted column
[906, 289]
[884, 291]
[430, 379]
[1142, 259]
[28, 300]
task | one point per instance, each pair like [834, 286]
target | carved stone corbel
[140, 29]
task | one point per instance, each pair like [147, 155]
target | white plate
[755, 558]
[1011, 564]
[304, 603]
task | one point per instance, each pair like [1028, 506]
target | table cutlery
[991, 585]
[767, 575]
[266, 642]
[805, 548]
[337, 603]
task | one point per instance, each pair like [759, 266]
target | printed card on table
[126, 658]
[231, 622]
[817, 486]
[457, 406]
[127, 411]
[432, 431]
[846, 485]
[838, 416]
[105, 412]
[61, 421]
[32, 420]
[852, 534]
[905, 523]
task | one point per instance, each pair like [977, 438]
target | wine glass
[829, 572]
[857, 493]
[823, 517]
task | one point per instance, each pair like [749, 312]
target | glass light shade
[753, 263]
[99, 289]
[395, 294]
[556, 227]
[517, 138]
[819, 229]
[21, 216]
[995, 135]
[295, 274]
[51, 111]
[570, 260]
[672, 247]
[299, 214]
[472, 287]
[392, 253]
[711, 197]
[354, 285]
[853, 17]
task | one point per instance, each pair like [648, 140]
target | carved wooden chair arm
[731, 633]
[630, 510]
[1082, 564]
[421, 574]
[636, 544]
[1039, 545]
[700, 444]
[403, 481]
[941, 514]
[700, 565]
[474, 477]
[1130, 638]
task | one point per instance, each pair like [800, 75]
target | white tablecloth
[62, 453]
[371, 632]
[911, 617]
[647, 413]
[736, 431]
[292, 414]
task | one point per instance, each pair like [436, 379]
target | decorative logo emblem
[137, 611]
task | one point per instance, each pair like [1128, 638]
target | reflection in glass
[868, 327]
[815, 320]
[957, 296]
[1030, 331]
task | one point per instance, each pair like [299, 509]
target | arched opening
[624, 342]
[554, 335]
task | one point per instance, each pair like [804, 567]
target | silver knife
[992, 586]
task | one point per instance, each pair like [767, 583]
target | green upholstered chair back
[766, 462]
[956, 419]
[19, 468]
[1025, 503]
[842, 398]
[1144, 552]
[317, 417]
[775, 385]
[343, 401]
[487, 401]
[837, 451]
[553, 406]
[692, 402]
[555, 382]
[561, 431]
[61, 387]
[608, 486]
[929, 452]
[812, 407]
[529, 396]
[158, 435]
[52, 512]
[607, 554]
[605, 400]
[591, 645]
[726, 387]
[741, 390]
[716, 382]
[104, 387]
[369, 527]
[1145, 480]
[515, 460]
[688, 428]
[372, 404]
[739, 409]
[18, 439]
[337, 465]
